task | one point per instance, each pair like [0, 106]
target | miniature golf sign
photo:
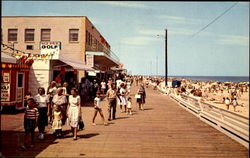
[51, 48]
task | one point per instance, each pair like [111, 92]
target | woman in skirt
[141, 100]
[43, 106]
[73, 111]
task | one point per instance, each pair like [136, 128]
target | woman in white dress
[73, 111]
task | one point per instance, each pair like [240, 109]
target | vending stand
[14, 81]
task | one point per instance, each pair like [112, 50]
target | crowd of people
[227, 93]
[61, 105]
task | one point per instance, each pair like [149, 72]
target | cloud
[233, 40]
[179, 20]
[126, 4]
[151, 32]
[155, 32]
[138, 40]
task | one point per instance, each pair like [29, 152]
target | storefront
[101, 62]
[14, 81]
[44, 70]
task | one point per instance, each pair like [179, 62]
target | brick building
[77, 47]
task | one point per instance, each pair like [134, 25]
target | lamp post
[166, 57]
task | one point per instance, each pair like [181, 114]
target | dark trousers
[112, 107]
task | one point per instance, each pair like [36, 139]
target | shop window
[45, 34]
[73, 35]
[20, 80]
[29, 35]
[12, 35]
[87, 37]
[29, 47]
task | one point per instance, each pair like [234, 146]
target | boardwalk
[164, 129]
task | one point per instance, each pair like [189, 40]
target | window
[29, 47]
[91, 39]
[87, 36]
[73, 35]
[12, 34]
[20, 80]
[29, 35]
[45, 34]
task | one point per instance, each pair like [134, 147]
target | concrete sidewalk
[163, 129]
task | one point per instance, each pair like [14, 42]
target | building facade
[76, 46]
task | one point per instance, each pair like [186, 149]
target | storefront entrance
[20, 90]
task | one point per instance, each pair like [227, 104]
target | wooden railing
[232, 124]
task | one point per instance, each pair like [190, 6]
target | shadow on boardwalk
[11, 142]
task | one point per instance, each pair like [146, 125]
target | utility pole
[166, 57]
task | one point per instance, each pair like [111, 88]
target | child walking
[97, 108]
[57, 121]
[30, 122]
[129, 106]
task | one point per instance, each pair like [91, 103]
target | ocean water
[216, 78]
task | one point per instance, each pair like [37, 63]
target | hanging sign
[51, 47]
[90, 60]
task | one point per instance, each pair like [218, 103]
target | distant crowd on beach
[227, 93]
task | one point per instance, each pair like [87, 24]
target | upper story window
[73, 35]
[45, 34]
[29, 35]
[12, 34]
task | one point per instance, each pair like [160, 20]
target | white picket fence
[232, 124]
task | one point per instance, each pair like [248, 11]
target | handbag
[137, 96]
[81, 124]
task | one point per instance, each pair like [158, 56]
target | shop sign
[103, 68]
[91, 73]
[51, 47]
[6, 77]
[90, 60]
[5, 91]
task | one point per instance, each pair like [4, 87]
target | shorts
[97, 108]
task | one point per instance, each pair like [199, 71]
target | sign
[5, 91]
[90, 60]
[103, 68]
[51, 47]
[6, 77]
[91, 73]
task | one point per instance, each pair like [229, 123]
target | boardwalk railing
[232, 124]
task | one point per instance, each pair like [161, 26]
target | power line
[213, 21]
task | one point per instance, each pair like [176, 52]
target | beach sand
[243, 99]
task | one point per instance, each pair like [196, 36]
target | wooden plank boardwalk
[164, 129]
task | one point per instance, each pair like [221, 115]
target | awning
[7, 59]
[76, 64]
[103, 59]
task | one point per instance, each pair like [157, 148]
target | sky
[136, 32]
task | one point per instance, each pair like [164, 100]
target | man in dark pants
[111, 95]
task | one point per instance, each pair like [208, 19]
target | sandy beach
[213, 92]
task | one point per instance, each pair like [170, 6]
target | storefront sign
[50, 48]
[6, 77]
[5, 91]
[91, 73]
[90, 60]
